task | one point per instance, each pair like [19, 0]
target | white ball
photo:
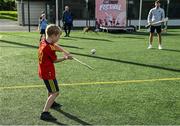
[93, 51]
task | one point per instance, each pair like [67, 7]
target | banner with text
[111, 13]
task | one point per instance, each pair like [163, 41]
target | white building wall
[36, 7]
[80, 23]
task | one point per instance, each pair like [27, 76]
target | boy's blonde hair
[52, 29]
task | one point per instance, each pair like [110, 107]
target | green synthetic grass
[12, 15]
[119, 57]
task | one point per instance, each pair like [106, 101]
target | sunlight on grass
[119, 57]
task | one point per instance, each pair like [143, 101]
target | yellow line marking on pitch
[93, 83]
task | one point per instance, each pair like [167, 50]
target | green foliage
[7, 5]
[12, 15]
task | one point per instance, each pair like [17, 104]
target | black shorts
[157, 28]
[52, 85]
[42, 31]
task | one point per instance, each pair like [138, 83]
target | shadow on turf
[147, 34]
[56, 122]
[11, 46]
[129, 62]
[131, 37]
[31, 46]
[66, 38]
[103, 58]
[85, 38]
[172, 50]
[70, 116]
[21, 36]
[36, 38]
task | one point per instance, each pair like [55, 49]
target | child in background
[42, 25]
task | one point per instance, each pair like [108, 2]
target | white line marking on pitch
[93, 83]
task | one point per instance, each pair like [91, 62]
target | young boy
[47, 58]
[42, 25]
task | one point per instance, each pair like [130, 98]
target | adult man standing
[155, 14]
[67, 21]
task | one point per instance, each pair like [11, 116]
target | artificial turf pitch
[130, 84]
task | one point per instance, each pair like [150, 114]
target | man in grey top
[155, 14]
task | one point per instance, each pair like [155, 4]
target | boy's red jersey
[47, 56]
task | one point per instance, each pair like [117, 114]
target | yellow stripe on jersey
[52, 47]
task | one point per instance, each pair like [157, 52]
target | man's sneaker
[56, 105]
[159, 47]
[47, 116]
[150, 46]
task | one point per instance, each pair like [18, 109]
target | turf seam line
[93, 83]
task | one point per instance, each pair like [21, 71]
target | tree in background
[7, 5]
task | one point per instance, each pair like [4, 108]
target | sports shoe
[56, 105]
[150, 46]
[47, 116]
[159, 47]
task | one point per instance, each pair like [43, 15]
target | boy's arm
[60, 60]
[59, 48]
